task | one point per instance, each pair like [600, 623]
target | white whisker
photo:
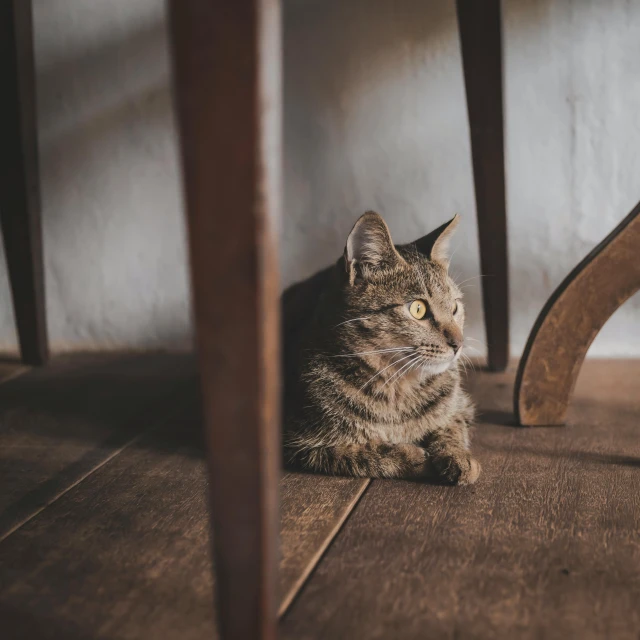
[414, 366]
[383, 370]
[397, 373]
[472, 278]
[423, 372]
[366, 353]
[352, 320]
[468, 346]
[419, 362]
[465, 359]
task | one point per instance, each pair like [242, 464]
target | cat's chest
[408, 419]
[405, 432]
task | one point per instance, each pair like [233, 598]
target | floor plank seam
[95, 468]
[20, 370]
[75, 483]
[289, 598]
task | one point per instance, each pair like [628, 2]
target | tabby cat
[372, 357]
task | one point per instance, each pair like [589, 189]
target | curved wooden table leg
[571, 319]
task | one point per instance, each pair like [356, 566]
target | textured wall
[374, 118]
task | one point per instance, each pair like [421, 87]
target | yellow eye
[418, 309]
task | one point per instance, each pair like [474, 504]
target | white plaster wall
[374, 118]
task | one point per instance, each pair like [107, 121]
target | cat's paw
[414, 459]
[470, 473]
[458, 469]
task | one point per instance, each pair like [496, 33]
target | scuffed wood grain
[571, 319]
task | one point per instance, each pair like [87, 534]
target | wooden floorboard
[312, 508]
[59, 422]
[124, 552]
[546, 545]
[9, 370]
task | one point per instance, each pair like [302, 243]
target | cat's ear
[369, 247]
[435, 245]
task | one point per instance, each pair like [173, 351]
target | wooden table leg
[19, 179]
[481, 42]
[227, 62]
[571, 319]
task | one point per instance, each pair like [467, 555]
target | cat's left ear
[369, 247]
[435, 245]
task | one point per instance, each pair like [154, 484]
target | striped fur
[370, 390]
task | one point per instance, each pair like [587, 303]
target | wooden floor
[104, 530]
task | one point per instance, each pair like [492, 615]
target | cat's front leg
[449, 455]
[374, 459]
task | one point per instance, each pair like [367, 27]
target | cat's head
[402, 296]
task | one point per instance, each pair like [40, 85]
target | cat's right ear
[435, 245]
[369, 247]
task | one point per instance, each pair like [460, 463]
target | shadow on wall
[106, 76]
[112, 212]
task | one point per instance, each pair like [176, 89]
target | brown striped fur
[370, 390]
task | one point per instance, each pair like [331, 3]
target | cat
[372, 357]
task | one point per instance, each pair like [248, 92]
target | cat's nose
[456, 345]
[454, 340]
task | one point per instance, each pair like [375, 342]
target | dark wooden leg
[19, 179]
[227, 59]
[571, 319]
[481, 42]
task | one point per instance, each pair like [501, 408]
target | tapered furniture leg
[19, 179]
[571, 319]
[481, 41]
[227, 61]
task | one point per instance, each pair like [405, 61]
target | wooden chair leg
[571, 319]
[481, 42]
[227, 60]
[19, 179]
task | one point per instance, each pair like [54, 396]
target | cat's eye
[418, 309]
[455, 307]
